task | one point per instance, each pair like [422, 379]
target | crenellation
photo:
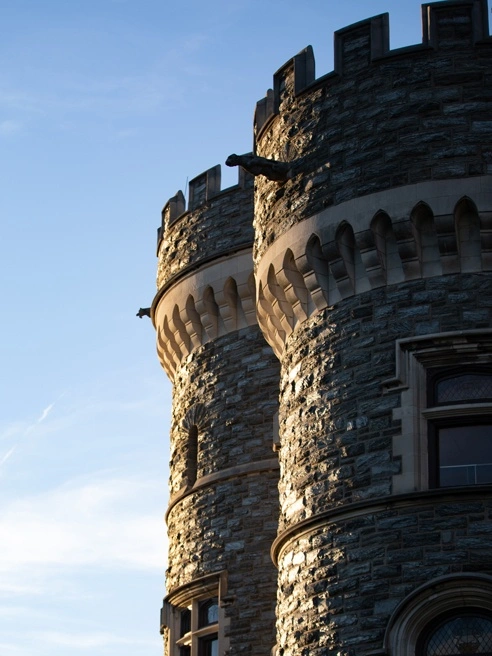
[453, 24]
[358, 45]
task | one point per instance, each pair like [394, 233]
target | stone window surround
[443, 594]
[205, 587]
[413, 357]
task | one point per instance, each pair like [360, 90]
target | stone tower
[222, 514]
[373, 287]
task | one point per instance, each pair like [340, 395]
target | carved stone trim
[373, 506]
[430, 600]
[231, 472]
[213, 300]
[195, 416]
[369, 242]
[205, 585]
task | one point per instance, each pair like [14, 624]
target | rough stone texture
[211, 229]
[235, 378]
[333, 303]
[336, 425]
[340, 583]
[414, 114]
[228, 524]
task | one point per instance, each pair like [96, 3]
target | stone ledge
[231, 472]
[358, 509]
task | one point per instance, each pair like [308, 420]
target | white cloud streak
[110, 523]
[45, 412]
[7, 455]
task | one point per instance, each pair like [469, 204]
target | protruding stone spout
[270, 168]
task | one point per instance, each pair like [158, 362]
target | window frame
[198, 633]
[437, 622]
[465, 412]
[415, 359]
[191, 596]
[422, 607]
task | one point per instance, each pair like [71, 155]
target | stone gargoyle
[270, 168]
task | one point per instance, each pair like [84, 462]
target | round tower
[373, 264]
[223, 510]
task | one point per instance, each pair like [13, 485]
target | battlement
[448, 25]
[215, 222]
[201, 190]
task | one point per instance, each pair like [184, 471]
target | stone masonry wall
[230, 525]
[381, 120]
[340, 582]
[336, 425]
[216, 226]
[235, 379]
[230, 522]
[348, 551]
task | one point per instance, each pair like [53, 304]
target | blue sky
[106, 108]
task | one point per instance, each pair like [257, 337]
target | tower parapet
[382, 119]
[215, 221]
[204, 275]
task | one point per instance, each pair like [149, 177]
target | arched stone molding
[388, 239]
[387, 248]
[427, 602]
[315, 271]
[468, 235]
[195, 416]
[424, 229]
[207, 303]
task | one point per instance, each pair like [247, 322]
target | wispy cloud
[7, 455]
[21, 429]
[9, 128]
[110, 523]
[89, 641]
[125, 95]
[46, 412]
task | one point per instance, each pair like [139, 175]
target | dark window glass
[460, 447]
[468, 632]
[192, 458]
[185, 651]
[208, 612]
[185, 623]
[208, 646]
[465, 387]
[465, 454]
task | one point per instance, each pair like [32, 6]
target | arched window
[192, 454]
[191, 429]
[198, 629]
[447, 616]
[460, 431]
[194, 617]
[463, 631]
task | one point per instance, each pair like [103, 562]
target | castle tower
[223, 510]
[373, 287]
[373, 268]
